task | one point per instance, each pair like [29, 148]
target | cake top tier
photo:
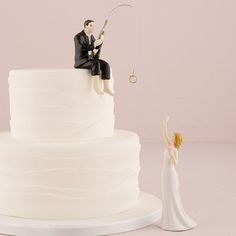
[53, 72]
[58, 104]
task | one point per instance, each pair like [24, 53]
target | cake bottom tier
[69, 180]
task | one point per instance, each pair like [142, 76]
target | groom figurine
[87, 52]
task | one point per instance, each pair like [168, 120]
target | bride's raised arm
[165, 132]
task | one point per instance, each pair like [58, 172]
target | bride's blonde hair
[178, 140]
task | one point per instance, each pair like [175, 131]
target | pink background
[186, 66]
[186, 58]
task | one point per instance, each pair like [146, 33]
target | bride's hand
[172, 161]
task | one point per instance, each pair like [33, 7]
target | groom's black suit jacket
[82, 47]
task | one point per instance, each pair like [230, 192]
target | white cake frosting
[58, 104]
[69, 180]
[62, 158]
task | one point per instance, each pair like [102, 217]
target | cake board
[146, 212]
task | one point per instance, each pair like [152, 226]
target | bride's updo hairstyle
[177, 140]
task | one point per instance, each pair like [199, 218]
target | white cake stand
[146, 212]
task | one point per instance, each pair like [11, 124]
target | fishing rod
[132, 77]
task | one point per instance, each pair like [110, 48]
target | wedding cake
[63, 159]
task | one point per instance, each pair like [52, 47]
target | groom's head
[89, 26]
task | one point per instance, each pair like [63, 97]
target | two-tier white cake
[63, 159]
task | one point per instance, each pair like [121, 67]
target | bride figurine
[174, 217]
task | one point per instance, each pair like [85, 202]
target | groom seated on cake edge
[87, 53]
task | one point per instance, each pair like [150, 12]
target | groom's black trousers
[97, 67]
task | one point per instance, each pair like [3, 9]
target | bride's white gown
[174, 217]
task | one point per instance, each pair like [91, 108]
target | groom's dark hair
[87, 22]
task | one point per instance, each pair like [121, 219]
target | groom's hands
[100, 40]
[102, 35]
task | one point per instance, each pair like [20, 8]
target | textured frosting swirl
[58, 104]
[69, 180]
